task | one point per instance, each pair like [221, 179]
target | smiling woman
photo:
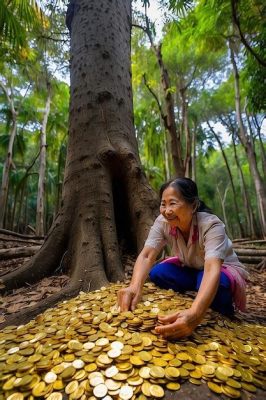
[202, 259]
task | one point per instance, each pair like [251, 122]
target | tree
[16, 17]
[8, 161]
[106, 201]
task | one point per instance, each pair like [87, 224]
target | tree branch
[164, 117]
[236, 21]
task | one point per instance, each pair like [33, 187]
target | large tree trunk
[250, 152]
[8, 161]
[106, 201]
[42, 169]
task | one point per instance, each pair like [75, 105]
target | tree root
[25, 315]
[40, 265]
[17, 252]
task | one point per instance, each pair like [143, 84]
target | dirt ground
[31, 294]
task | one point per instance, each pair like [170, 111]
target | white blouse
[207, 239]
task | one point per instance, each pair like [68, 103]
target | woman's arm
[182, 323]
[208, 287]
[130, 296]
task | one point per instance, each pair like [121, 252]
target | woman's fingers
[124, 299]
[168, 319]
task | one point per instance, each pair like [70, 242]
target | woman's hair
[188, 190]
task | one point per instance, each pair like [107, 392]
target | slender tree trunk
[186, 130]
[9, 156]
[222, 200]
[262, 148]
[170, 122]
[247, 208]
[168, 119]
[40, 219]
[243, 137]
[241, 229]
[193, 159]
[166, 157]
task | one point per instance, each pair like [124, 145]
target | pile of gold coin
[86, 349]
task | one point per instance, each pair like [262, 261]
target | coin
[156, 391]
[100, 391]
[126, 392]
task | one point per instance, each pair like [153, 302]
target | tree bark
[42, 169]
[106, 201]
[250, 152]
[8, 161]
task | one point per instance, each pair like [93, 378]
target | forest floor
[30, 295]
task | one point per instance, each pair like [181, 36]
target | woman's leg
[223, 300]
[171, 276]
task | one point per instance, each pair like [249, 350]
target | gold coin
[68, 372]
[233, 383]
[224, 370]
[214, 387]
[16, 396]
[112, 385]
[55, 396]
[135, 381]
[173, 385]
[71, 387]
[160, 362]
[156, 391]
[248, 387]
[39, 390]
[58, 385]
[195, 381]
[145, 356]
[172, 372]
[175, 362]
[135, 360]
[145, 388]
[144, 372]
[157, 372]
[231, 392]
[183, 356]
[91, 367]
[207, 369]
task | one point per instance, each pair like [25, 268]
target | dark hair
[188, 190]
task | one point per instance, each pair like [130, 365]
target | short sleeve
[156, 237]
[216, 241]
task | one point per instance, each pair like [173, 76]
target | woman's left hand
[177, 325]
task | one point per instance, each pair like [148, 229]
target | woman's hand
[128, 298]
[177, 325]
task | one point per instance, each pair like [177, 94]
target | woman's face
[175, 209]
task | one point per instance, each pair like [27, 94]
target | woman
[203, 260]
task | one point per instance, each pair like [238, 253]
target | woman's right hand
[128, 298]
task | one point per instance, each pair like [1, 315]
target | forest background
[199, 106]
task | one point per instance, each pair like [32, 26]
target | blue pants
[171, 276]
